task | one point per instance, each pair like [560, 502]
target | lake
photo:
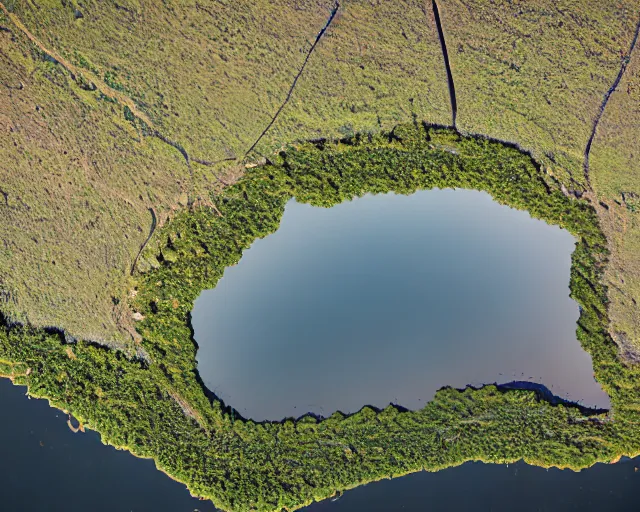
[46, 467]
[494, 488]
[387, 298]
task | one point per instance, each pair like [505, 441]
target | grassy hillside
[116, 79]
[77, 181]
[206, 79]
[376, 67]
[535, 73]
[615, 174]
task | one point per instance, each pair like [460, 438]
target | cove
[45, 466]
[386, 299]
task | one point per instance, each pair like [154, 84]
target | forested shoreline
[152, 402]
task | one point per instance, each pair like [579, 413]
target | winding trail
[73, 70]
[216, 162]
[174, 145]
[445, 55]
[154, 223]
[623, 67]
[332, 15]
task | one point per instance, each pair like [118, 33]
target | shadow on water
[237, 367]
[543, 394]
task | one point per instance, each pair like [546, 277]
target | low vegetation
[103, 100]
[76, 183]
[615, 175]
[535, 73]
[207, 78]
[155, 406]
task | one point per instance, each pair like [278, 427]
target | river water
[387, 298]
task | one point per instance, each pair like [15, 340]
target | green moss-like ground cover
[78, 180]
[155, 406]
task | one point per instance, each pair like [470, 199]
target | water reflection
[388, 298]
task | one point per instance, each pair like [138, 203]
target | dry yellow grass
[379, 65]
[78, 175]
[77, 181]
[208, 77]
[535, 73]
[615, 175]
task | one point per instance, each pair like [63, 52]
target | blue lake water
[47, 468]
[387, 298]
[44, 467]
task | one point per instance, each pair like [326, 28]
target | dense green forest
[152, 402]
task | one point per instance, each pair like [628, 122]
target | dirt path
[186, 408]
[154, 223]
[623, 67]
[100, 85]
[332, 15]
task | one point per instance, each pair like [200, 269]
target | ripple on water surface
[388, 298]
